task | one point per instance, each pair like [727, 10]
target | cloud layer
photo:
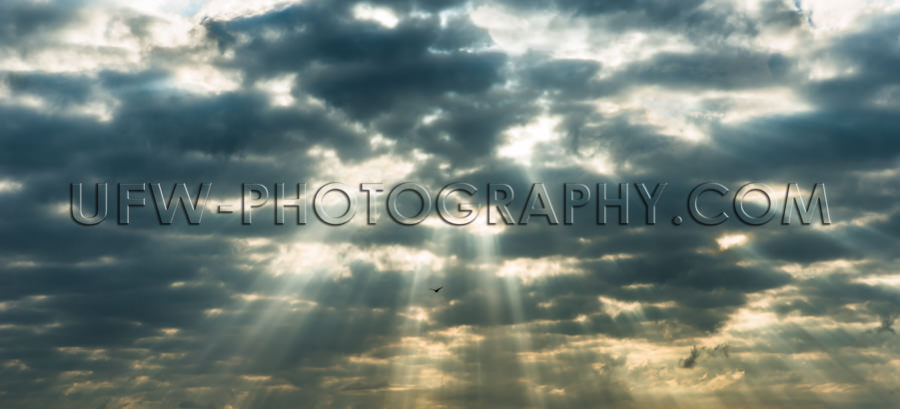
[224, 315]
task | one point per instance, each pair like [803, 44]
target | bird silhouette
[437, 289]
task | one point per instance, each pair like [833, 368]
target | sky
[232, 316]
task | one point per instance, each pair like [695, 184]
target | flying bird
[437, 289]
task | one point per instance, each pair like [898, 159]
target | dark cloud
[25, 21]
[691, 361]
[391, 78]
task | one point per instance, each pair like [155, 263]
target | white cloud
[380, 15]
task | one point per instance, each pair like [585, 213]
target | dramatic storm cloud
[227, 315]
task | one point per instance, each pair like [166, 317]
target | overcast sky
[223, 315]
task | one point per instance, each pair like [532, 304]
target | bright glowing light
[206, 79]
[385, 168]
[566, 36]
[732, 240]
[9, 186]
[231, 9]
[380, 15]
[279, 89]
[521, 140]
[530, 269]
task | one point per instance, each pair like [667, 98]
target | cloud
[691, 361]
[264, 316]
